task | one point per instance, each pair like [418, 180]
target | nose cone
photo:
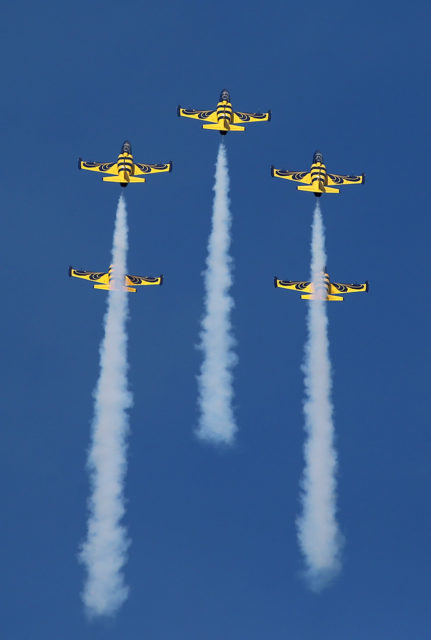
[225, 95]
[318, 157]
[127, 147]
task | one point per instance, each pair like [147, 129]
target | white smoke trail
[215, 382]
[318, 533]
[104, 552]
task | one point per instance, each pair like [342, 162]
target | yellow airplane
[223, 117]
[124, 170]
[317, 179]
[106, 281]
[325, 289]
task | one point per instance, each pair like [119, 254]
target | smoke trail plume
[217, 421]
[104, 552]
[318, 532]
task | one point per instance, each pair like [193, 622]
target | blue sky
[214, 552]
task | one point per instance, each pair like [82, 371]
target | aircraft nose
[127, 147]
[225, 95]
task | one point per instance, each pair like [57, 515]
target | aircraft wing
[143, 280]
[338, 287]
[101, 167]
[93, 276]
[303, 287]
[241, 117]
[208, 116]
[296, 176]
[335, 180]
[144, 169]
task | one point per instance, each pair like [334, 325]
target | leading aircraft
[223, 117]
[324, 290]
[107, 280]
[124, 170]
[317, 179]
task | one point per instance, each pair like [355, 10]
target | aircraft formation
[224, 120]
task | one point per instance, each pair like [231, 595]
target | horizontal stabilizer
[113, 179]
[107, 287]
[118, 179]
[313, 297]
[133, 179]
[221, 127]
[317, 190]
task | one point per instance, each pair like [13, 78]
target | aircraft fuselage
[125, 168]
[318, 174]
[224, 115]
[321, 286]
[116, 281]
[321, 289]
[318, 178]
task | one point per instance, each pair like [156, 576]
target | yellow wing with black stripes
[207, 116]
[100, 167]
[334, 180]
[240, 117]
[141, 169]
[294, 285]
[142, 280]
[93, 276]
[295, 176]
[339, 287]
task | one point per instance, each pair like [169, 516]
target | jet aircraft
[124, 170]
[223, 118]
[317, 179]
[106, 281]
[324, 289]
